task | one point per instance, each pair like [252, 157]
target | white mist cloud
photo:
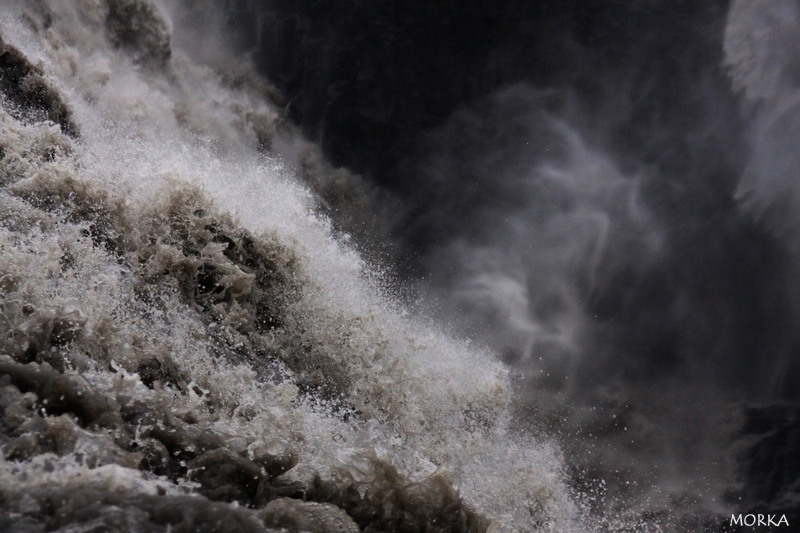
[762, 52]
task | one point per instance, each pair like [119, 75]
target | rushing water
[192, 340]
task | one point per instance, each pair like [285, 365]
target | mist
[532, 264]
[602, 194]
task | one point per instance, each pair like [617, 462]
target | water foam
[179, 321]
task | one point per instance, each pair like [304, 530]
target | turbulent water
[193, 340]
[186, 345]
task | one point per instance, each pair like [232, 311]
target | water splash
[188, 345]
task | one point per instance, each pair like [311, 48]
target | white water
[181, 325]
[166, 147]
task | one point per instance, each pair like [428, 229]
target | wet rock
[299, 516]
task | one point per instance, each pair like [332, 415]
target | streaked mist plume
[398, 266]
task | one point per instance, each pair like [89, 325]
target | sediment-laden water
[200, 331]
[186, 346]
